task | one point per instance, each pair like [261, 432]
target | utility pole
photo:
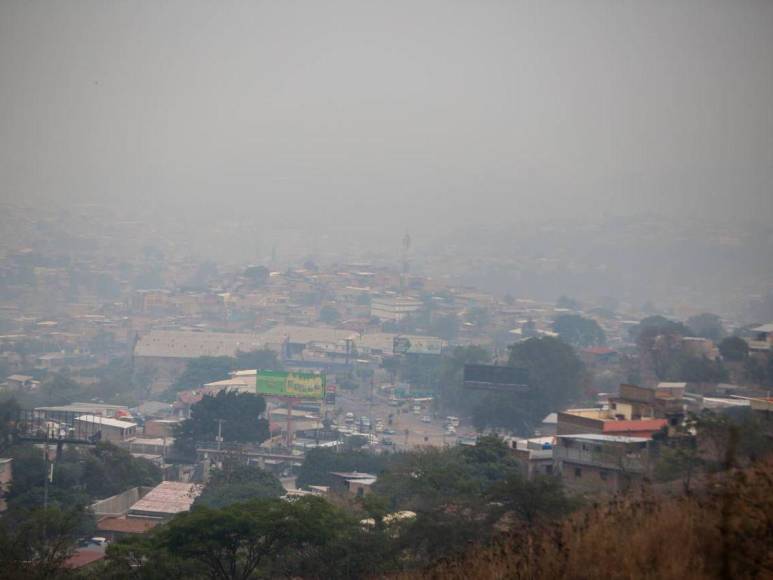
[219, 433]
[45, 481]
[289, 401]
[370, 401]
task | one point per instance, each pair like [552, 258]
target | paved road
[419, 433]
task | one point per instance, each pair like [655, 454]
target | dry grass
[726, 531]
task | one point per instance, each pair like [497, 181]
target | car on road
[426, 419]
[390, 431]
[387, 442]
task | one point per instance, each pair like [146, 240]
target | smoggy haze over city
[359, 289]
[355, 122]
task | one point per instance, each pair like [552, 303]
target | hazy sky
[385, 111]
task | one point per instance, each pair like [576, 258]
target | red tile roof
[83, 558]
[127, 525]
[598, 350]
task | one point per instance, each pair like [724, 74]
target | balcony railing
[623, 462]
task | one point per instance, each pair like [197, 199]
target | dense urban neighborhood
[357, 412]
[386, 290]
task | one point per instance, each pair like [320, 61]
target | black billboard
[496, 378]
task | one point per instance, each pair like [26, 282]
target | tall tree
[262, 359]
[707, 325]
[234, 542]
[237, 414]
[236, 483]
[35, 547]
[319, 462]
[579, 331]
[9, 414]
[657, 325]
[556, 377]
[734, 348]
[202, 370]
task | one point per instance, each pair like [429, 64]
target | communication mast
[405, 263]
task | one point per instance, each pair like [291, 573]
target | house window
[577, 472]
[603, 475]
[548, 469]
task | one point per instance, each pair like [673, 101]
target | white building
[393, 308]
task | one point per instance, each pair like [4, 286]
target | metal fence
[55, 426]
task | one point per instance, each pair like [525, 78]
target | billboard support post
[289, 402]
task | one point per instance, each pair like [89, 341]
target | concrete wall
[571, 424]
[118, 505]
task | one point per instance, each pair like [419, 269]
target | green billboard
[290, 384]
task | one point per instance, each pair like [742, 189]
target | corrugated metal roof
[602, 438]
[188, 344]
[96, 419]
[168, 497]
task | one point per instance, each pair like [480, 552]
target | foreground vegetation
[725, 531]
[475, 517]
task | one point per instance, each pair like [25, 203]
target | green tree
[452, 394]
[754, 371]
[9, 414]
[432, 478]
[678, 459]
[79, 477]
[235, 542]
[329, 314]
[108, 470]
[240, 415]
[60, 389]
[657, 325]
[694, 369]
[734, 348]
[36, 546]
[556, 377]
[206, 369]
[261, 359]
[319, 462]
[579, 331]
[706, 325]
[237, 483]
[532, 501]
[202, 370]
